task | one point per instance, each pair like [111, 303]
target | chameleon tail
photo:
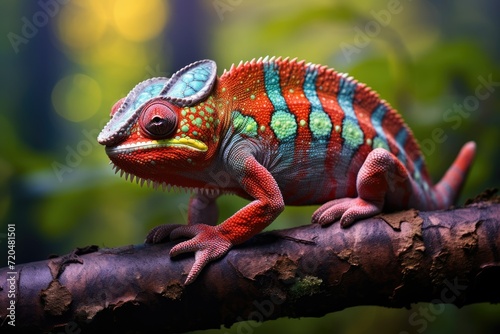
[448, 189]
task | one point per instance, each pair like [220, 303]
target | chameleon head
[165, 125]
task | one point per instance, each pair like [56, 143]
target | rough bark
[391, 260]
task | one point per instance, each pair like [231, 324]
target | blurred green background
[65, 62]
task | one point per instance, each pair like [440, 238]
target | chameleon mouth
[152, 144]
[165, 186]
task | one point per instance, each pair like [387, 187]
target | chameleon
[276, 132]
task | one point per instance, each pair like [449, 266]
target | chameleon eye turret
[158, 120]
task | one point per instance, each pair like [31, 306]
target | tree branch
[390, 260]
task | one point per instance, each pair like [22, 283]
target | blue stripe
[346, 96]
[377, 117]
[320, 123]
[273, 88]
[419, 163]
[351, 133]
[401, 138]
[283, 122]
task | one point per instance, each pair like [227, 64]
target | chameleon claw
[207, 243]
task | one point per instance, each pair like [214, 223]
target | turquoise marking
[319, 121]
[377, 117]
[193, 81]
[117, 128]
[273, 89]
[351, 133]
[320, 125]
[283, 123]
[146, 94]
[419, 163]
[417, 173]
[401, 137]
[244, 124]
[189, 84]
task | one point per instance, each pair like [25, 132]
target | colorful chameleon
[277, 132]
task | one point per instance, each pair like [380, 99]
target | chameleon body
[277, 132]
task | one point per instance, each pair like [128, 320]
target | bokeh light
[139, 20]
[76, 97]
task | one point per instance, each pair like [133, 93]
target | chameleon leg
[212, 242]
[381, 174]
[202, 210]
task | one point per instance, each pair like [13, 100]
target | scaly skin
[278, 132]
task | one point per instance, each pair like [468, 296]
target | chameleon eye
[116, 106]
[158, 120]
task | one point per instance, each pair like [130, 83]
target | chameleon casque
[277, 132]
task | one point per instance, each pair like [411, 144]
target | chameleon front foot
[160, 233]
[207, 243]
[347, 209]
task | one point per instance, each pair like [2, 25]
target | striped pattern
[320, 122]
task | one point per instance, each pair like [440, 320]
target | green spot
[307, 286]
[191, 117]
[201, 113]
[379, 143]
[262, 128]
[252, 97]
[235, 98]
[211, 119]
[245, 124]
[192, 109]
[207, 125]
[283, 125]
[189, 160]
[302, 122]
[198, 121]
[195, 133]
[209, 110]
[337, 128]
[320, 124]
[352, 133]
[183, 112]
[185, 128]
